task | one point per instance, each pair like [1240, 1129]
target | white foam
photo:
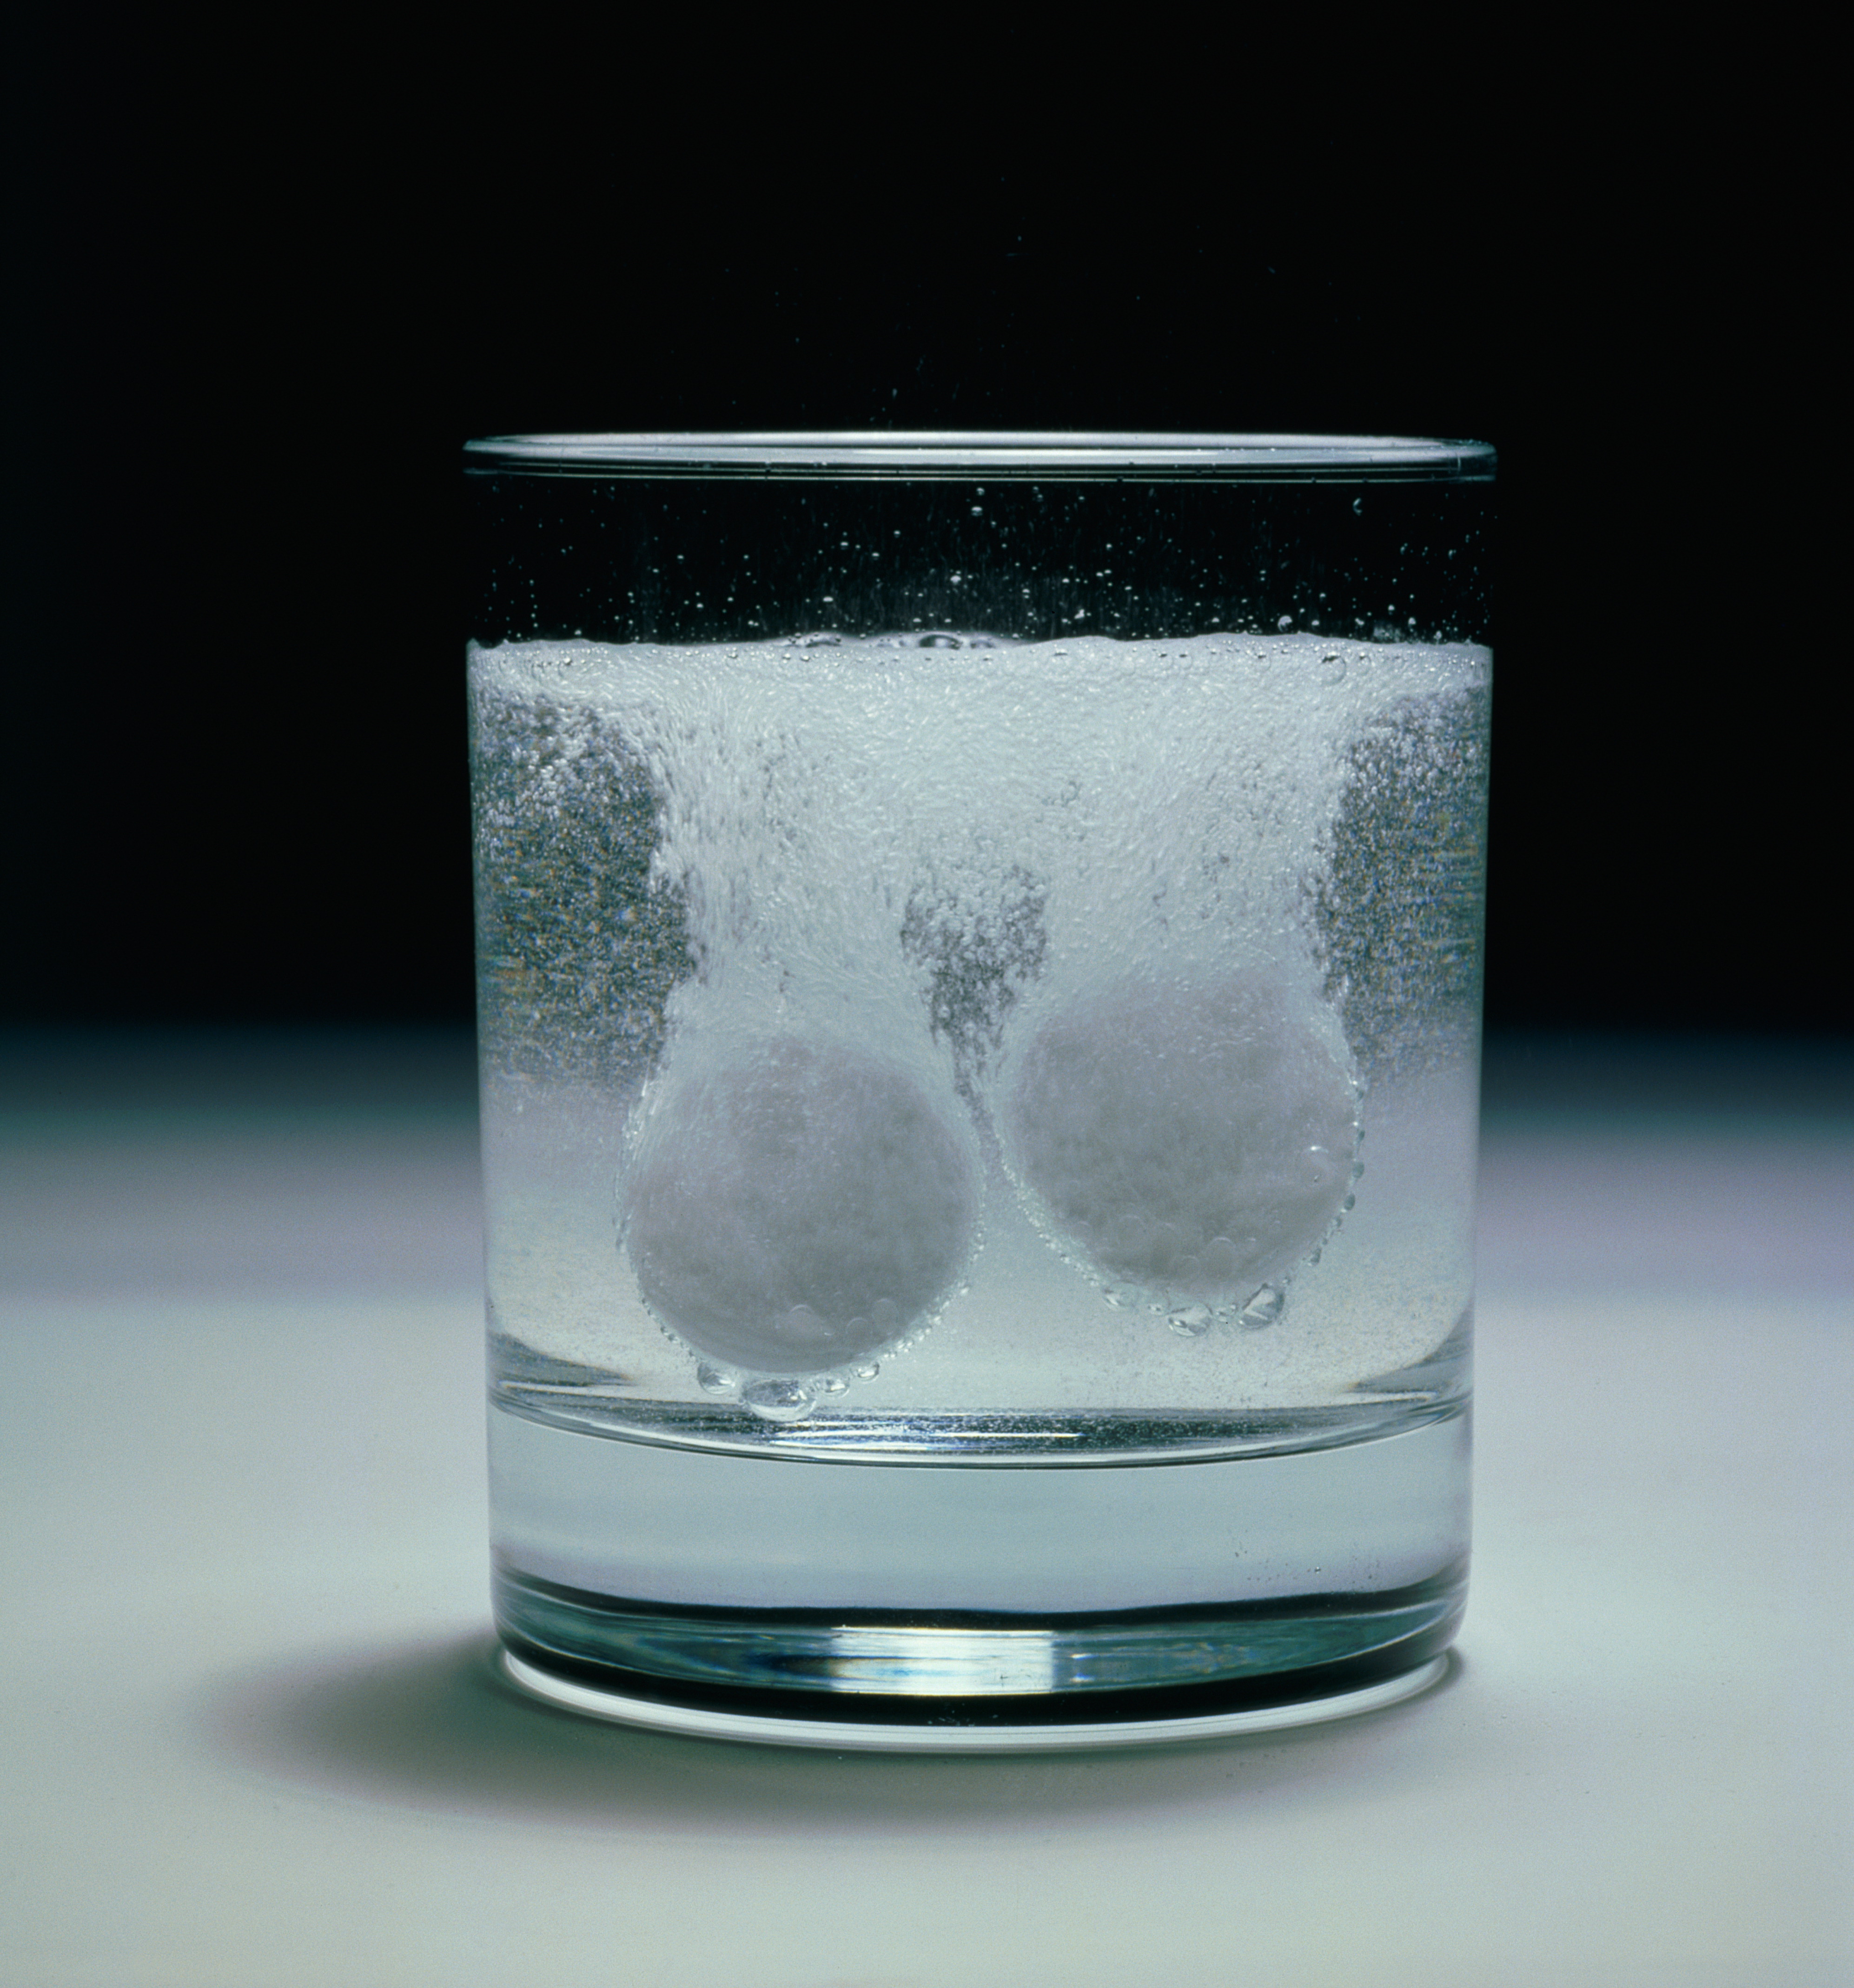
[1055, 891]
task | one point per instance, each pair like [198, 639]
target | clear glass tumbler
[980, 960]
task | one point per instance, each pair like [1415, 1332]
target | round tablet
[798, 1208]
[1196, 1142]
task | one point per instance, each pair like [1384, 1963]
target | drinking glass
[979, 958]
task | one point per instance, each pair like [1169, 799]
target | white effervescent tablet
[797, 1207]
[1196, 1142]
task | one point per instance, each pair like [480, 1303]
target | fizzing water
[937, 1051]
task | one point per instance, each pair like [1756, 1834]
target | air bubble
[1191, 1321]
[867, 1370]
[722, 1382]
[1263, 1308]
[778, 1401]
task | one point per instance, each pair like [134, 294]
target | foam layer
[887, 908]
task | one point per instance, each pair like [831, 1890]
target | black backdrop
[251, 332]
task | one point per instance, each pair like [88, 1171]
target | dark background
[251, 330]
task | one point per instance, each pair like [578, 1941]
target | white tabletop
[251, 1737]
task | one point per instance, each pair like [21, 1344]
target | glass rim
[1015, 456]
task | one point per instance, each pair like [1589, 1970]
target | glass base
[871, 1735]
[949, 1679]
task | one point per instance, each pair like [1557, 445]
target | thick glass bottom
[872, 1736]
[1272, 1662]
